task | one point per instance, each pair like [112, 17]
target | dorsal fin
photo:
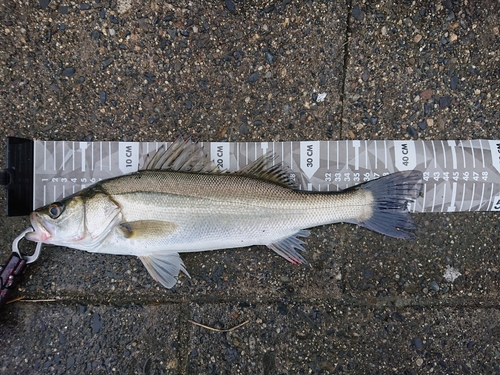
[262, 168]
[182, 155]
[187, 156]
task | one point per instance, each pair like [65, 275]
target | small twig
[15, 299]
[217, 329]
[41, 300]
[21, 299]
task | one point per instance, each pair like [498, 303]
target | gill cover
[80, 221]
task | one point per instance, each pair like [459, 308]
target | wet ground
[251, 71]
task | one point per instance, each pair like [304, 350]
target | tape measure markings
[448, 185]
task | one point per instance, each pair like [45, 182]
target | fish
[182, 202]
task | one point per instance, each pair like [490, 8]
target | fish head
[81, 221]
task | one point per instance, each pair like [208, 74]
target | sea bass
[181, 202]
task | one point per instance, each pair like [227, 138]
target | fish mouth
[40, 233]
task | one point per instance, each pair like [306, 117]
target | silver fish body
[181, 203]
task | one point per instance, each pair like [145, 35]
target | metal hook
[28, 258]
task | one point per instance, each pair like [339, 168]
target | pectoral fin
[287, 247]
[164, 268]
[146, 229]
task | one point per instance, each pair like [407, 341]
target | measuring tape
[457, 175]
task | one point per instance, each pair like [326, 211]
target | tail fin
[391, 195]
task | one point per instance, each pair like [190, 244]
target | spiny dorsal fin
[182, 155]
[187, 156]
[262, 168]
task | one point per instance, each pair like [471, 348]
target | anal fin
[164, 267]
[288, 247]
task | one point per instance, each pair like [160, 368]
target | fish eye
[55, 210]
